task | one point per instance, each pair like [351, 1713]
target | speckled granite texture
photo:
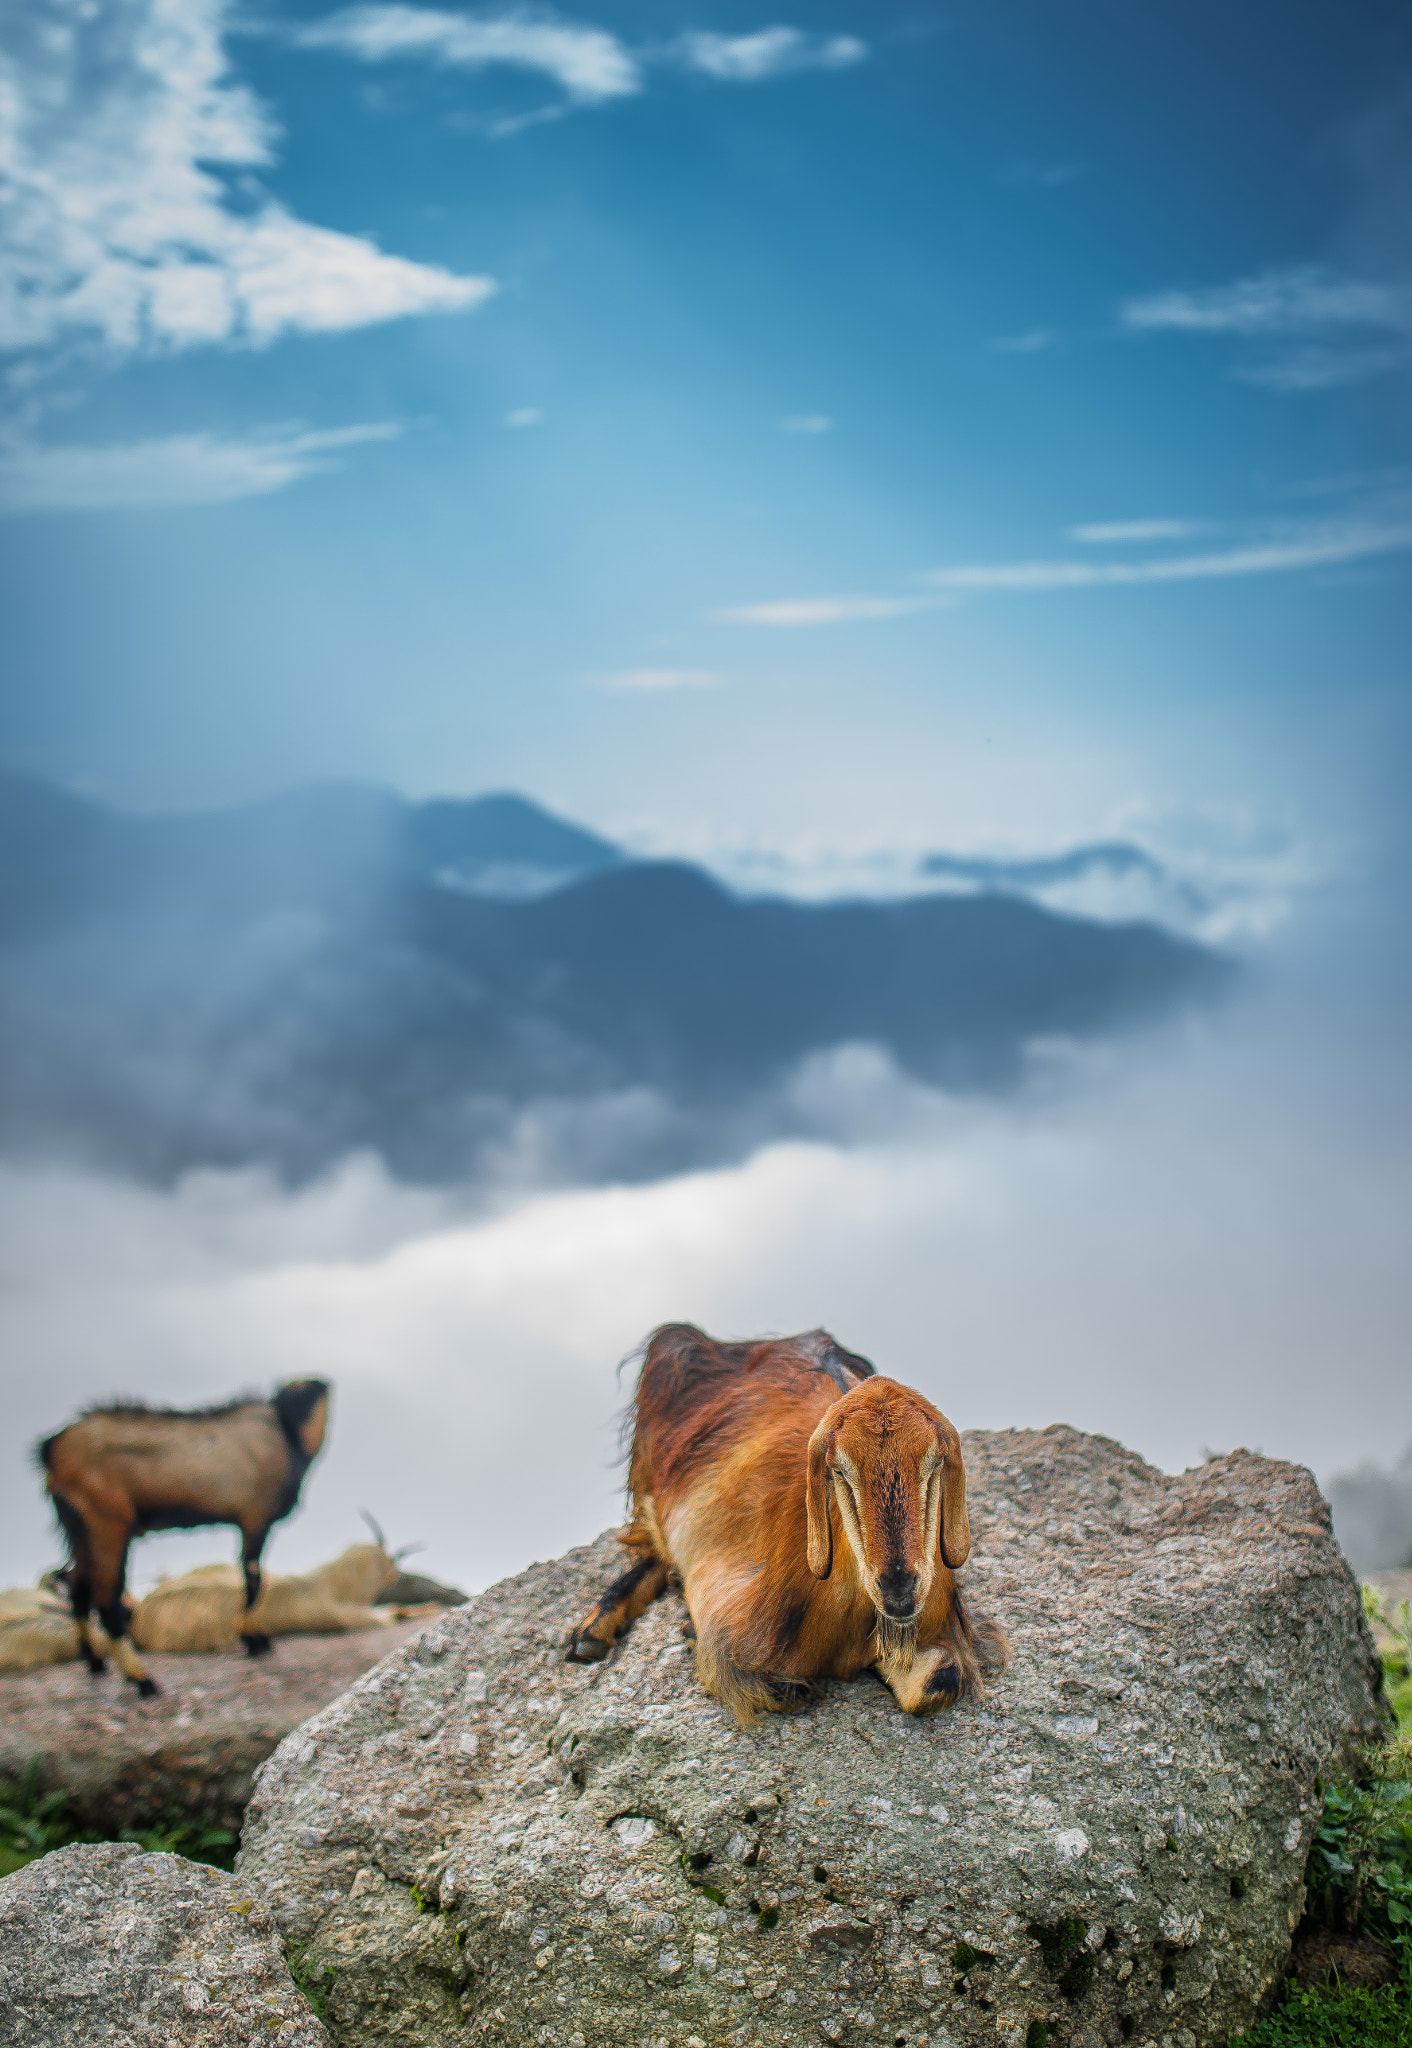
[110, 1946]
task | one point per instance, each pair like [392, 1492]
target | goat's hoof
[585, 1649]
[147, 1688]
[688, 1629]
[257, 1643]
[96, 1667]
[941, 1689]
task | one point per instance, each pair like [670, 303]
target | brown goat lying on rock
[814, 1515]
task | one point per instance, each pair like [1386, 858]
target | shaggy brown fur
[814, 1515]
[122, 1471]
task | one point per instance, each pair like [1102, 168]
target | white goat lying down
[37, 1627]
[205, 1609]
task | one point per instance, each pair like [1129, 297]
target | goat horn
[406, 1551]
[378, 1537]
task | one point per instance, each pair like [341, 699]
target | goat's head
[894, 1464]
[302, 1409]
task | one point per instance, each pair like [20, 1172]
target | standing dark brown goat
[120, 1472]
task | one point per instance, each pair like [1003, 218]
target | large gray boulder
[109, 1944]
[488, 1845]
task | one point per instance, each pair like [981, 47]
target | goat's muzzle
[897, 1589]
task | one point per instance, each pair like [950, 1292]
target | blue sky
[983, 425]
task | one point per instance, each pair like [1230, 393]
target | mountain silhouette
[337, 969]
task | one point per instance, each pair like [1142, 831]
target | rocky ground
[124, 1760]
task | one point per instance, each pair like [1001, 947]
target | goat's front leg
[256, 1642]
[109, 1599]
[927, 1683]
[620, 1604]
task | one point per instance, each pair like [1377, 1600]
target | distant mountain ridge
[64, 856]
[338, 969]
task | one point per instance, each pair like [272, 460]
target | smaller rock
[107, 1942]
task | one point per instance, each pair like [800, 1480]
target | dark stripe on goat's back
[844, 1368]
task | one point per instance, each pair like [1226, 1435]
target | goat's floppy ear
[955, 1522]
[816, 1499]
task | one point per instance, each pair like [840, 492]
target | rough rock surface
[111, 1944]
[123, 1760]
[488, 1845]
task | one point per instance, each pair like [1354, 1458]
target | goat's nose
[898, 1587]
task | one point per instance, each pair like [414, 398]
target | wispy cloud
[591, 64]
[1323, 368]
[1330, 544]
[652, 681]
[769, 53]
[1027, 344]
[117, 228]
[1046, 176]
[1122, 532]
[807, 423]
[524, 416]
[823, 611]
[1317, 549]
[184, 469]
[1299, 301]
[1335, 329]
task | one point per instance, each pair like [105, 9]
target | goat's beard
[896, 1640]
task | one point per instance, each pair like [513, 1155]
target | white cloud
[1328, 545]
[807, 423]
[768, 53]
[185, 469]
[1027, 344]
[1311, 549]
[589, 63]
[116, 227]
[1318, 368]
[650, 680]
[524, 416]
[823, 611]
[1297, 301]
[1109, 532]
[1326, 321]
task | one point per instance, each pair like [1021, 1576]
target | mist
[1188, 1240]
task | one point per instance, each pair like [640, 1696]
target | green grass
[1345, 2018]
[315, 1982]
[34, 1822]
[1358, 1881]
